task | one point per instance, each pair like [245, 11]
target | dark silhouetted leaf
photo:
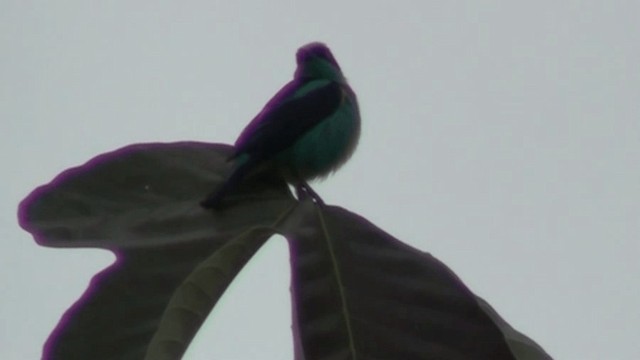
[147, 195]
[142, 203]
[521, 346]
[358, 293]
[195, 298]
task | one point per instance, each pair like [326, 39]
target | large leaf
[142, 202]
[522, 347]
[147, 195]
[199, 292]
[358, 293]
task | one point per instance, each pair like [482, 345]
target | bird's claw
[303, 191]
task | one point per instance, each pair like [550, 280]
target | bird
[306, 131]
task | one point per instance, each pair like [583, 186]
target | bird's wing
[292, 112]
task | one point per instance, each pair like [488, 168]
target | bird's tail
[213, 200]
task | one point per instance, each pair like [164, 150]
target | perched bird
[306, 131]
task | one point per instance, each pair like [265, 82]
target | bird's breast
[325, 147]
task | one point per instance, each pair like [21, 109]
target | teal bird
[306, 131]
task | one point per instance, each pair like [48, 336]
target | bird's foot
[303, 191]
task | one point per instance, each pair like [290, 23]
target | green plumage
[324, 148]
[307, 130]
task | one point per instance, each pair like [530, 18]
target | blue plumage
[307, 130]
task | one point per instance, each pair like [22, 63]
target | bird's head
[316, 61]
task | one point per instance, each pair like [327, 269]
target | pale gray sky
[503, 137]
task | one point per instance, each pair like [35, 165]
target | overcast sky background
[503, 137]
